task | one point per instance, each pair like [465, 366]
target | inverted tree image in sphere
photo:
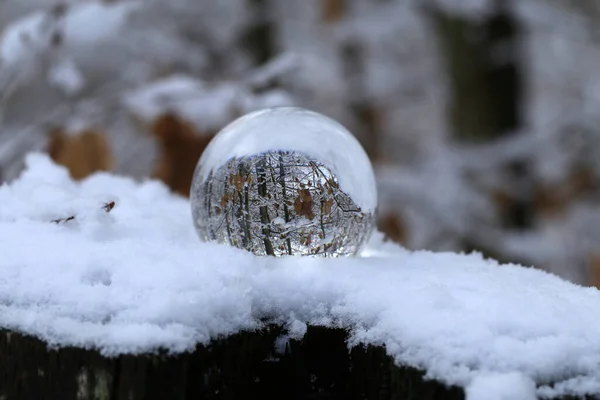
[285, 181]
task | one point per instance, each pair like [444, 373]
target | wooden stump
[242, 366]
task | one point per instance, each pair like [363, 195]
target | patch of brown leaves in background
[180, 148]
[303, 204]
[82, 154]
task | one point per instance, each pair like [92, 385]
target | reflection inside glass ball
[285, 181]
[280, 203]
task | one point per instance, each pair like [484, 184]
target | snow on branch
[137, 278]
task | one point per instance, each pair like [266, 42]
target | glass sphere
[285, 181]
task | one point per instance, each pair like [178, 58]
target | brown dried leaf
[108, 206]
[224, 200]
[238, 181]
[303, 204]
[327, 206]
[305, 193]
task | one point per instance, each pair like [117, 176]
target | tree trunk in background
[333, 10]
[242, 366]
[484, 65]
[484, 69]
[259, 37]
[364, 111]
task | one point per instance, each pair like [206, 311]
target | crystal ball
[285, 181]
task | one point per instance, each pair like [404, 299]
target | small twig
[106, 207]
[335, 190]
[63, 220]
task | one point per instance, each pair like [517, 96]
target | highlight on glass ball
[285, 181]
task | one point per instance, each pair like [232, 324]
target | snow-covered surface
[305, 131]
[137, 278]
[502, 386]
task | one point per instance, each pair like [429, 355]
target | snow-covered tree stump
[243, 366]
[96, 275]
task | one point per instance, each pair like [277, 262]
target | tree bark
[242, 366]
[259, 37]
[485, 78]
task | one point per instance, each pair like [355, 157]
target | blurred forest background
[480, 116]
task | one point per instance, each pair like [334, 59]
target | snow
[137, 278]
[67, 77]
[305, 131]
[508, 386]
[93, 22]
[16, 37]
[208, 108]
[84, 24]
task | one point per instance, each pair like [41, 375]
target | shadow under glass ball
[279, 203]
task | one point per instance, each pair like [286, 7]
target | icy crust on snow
[137, 278]
[305, 131]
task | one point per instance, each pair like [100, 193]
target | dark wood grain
[242, 366]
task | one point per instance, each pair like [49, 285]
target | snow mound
[137, 278]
